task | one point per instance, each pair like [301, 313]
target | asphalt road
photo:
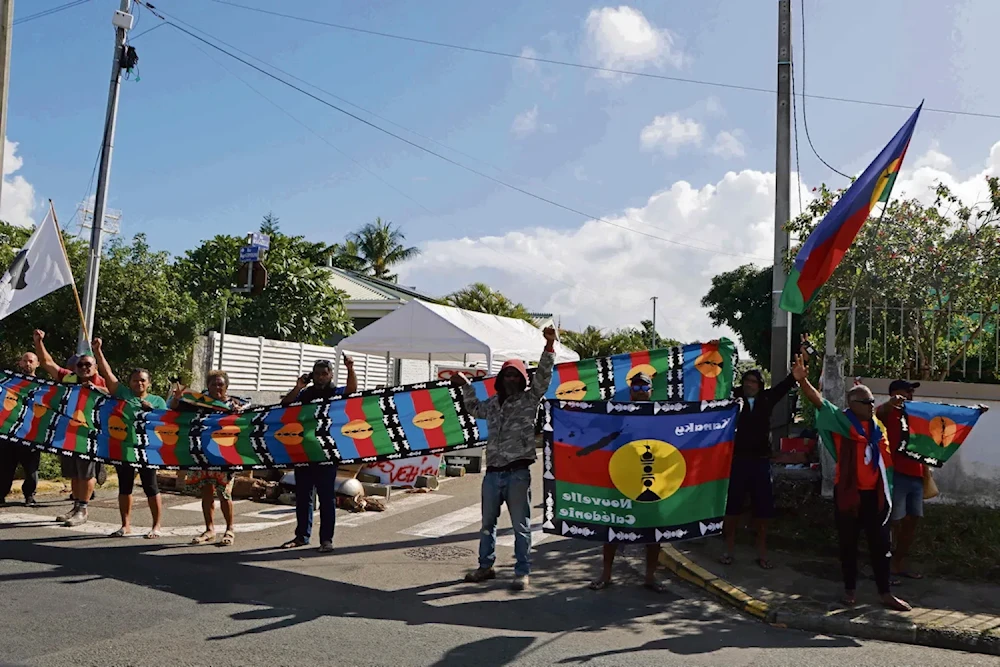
[390, 595]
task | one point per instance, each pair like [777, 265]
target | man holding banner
[28, 457]
[510, 451]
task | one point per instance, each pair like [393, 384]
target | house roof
[365, 288]
[540, 319]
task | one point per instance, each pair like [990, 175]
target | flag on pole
[38, 269]
[829, 241]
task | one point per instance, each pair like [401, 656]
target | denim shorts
[907, 496]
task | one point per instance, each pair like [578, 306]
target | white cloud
[528, 65]
[586, 274]
[728, 145]
[17, 200]
[623, 38]
[669, 132]
[526, 123]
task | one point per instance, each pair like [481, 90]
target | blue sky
[199, 153]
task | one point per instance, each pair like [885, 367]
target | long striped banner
[369, 426]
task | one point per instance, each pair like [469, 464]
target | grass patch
[953, 541]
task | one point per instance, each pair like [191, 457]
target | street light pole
[655, 335]
[6, 30]
[122, 18]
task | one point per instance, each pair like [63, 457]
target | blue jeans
[514, 488]
[321, 478]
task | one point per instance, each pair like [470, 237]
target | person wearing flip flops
[907, 481]
[862, 494]
[640, 389]
[136, 393]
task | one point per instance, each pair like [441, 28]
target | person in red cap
[907, 480]
[510, 451]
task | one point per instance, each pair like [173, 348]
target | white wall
[973, 473]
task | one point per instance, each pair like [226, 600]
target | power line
[795, 134]
[596, 68]
[50, 11]
[805, 118]
[444, 157]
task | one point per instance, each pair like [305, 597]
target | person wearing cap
[907, 480]
[510, 451]
[751, 468]
[640, 389]
[316, 386]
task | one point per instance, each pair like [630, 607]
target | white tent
[427, 331]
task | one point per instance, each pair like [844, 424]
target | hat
[902, 385]
[640, 377]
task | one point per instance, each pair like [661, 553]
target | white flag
[38, 269]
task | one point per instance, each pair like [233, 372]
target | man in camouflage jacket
[510, 451]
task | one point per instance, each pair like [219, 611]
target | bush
[50, 467]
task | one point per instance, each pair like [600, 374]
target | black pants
[28, 458]
[849, 528]
[126, 480]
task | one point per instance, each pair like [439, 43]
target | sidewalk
[803, 592]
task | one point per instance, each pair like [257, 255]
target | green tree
[741, 300]
[298, 304]
[481, 298]
[941, 262]
[379, 247]
[593, 342]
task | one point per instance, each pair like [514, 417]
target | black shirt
[753, 428]
[314, 392]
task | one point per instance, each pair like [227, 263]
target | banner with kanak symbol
[933, 432]
[637, 472]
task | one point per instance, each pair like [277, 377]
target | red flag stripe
[422, 402]
[355, 411]
[702, 465]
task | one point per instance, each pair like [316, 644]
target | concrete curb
[900, 631]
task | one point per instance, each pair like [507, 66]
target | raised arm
[45, 359]
[352, 378]
[800, 372]
[293, 395]
[472, 403]
[103, 367]
[542, 378]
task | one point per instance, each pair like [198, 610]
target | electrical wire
[132, 38]
[596, 68]
[805, 117]
[445, 158]
[50, 11]
[795, 134]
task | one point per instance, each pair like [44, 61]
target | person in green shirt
[862, 495]
[136, 393]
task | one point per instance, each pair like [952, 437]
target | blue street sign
[261, 240]
[249, 253]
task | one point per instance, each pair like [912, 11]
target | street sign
[249, 253]
[262, 241]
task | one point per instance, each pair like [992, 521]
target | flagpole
[76, 295]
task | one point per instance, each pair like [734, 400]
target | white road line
[196, 506]
[102, 528]
[393, 507]
[537, 536]
[447, 523]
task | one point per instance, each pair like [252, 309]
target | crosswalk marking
[537, 536]
[102, 528]
[394, 507]
[196, 506]
[446, 523]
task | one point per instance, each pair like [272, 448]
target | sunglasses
[324, 363]
[866, 401]
[84, 364]
[642, 387]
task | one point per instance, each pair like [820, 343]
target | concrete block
[377, 490]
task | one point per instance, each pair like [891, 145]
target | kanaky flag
[39, 268]
[935, 431]
[829, 241]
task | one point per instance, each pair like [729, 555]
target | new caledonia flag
[829, 241]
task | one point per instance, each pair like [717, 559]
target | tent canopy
[421, 330]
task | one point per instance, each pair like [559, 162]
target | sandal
[765, 564]
[153, 534]
[895, 604]
[292, 544]
[726, 559]
[599, 584]
[909, 575]
[654, 586]
[228, 538]
[119, 533]
[204, 538]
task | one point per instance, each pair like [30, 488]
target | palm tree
[589, 343]
[378, 247]
[347, 256]
[482, 298]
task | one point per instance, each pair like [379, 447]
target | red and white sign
[404, 472]
[471, 373]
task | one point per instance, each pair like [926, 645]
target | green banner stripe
[373, 413]
[444, 404]
[687, 504]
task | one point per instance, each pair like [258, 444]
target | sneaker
[480, 575]
[326, 547]
[520, 583]
[63, 518]
[31, 502]
[79, 517]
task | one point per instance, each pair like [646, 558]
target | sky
[669, 182]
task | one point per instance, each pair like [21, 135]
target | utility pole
[122, 21]
[781, 320]
[6, 33]
[655, 336]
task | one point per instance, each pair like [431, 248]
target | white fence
[260, 364]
